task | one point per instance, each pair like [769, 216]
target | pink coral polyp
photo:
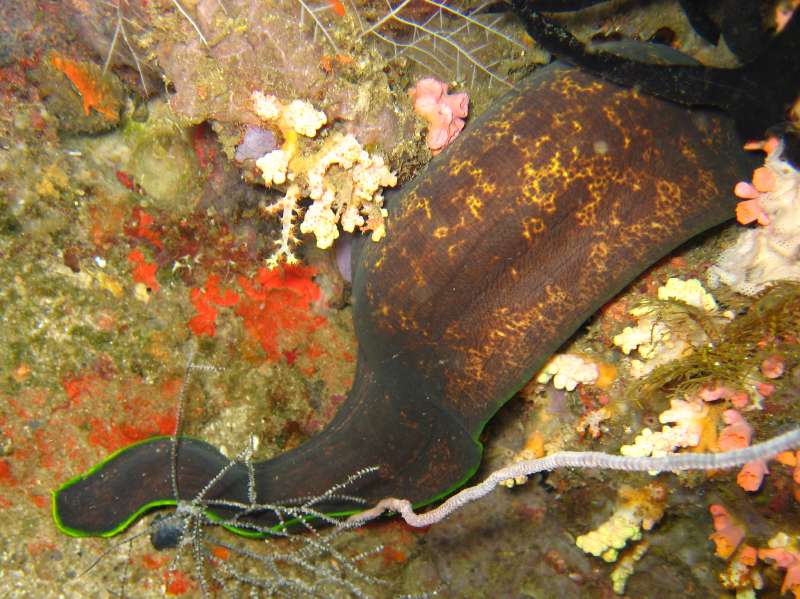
[444, 112]
[752, 475]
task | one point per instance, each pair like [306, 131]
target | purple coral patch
[255, 144]
[344, 252]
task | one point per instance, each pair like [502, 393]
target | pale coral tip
[745, 190]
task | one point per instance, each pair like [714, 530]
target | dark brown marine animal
[546, 207]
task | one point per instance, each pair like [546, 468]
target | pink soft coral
[751, 209]
[786, 558]
[711, 393]
[728, 535]
[752, 475]
[737, 435]
[444, 112]
[791, 459]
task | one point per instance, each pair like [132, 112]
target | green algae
[160, 158]
[735, 351]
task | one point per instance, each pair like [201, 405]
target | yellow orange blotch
[534, 445]
[475, 204]
[487, 188]
[606, 374]
[440, 232]
[708, 436]
[454, 247]
[21, 372]
[532, 226]
[87, 78]
[456, 166]
[425, 206]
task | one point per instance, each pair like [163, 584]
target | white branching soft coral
[273, 167]
[268, 108]
[689, 292]
[568, 371]
[769, 251]
[303, 118]
[344, 181]
[685, 422]
[646, 337]
[655, 341]
[637, 510]
[299, 116]
[286, 207]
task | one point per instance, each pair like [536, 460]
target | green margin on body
[74, 532]
[214, 517]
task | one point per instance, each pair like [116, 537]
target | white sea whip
[581, 459]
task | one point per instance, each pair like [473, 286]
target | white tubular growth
[581, 459]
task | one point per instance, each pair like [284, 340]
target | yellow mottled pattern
[538, 213]
[474, 203]
[531, 226]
